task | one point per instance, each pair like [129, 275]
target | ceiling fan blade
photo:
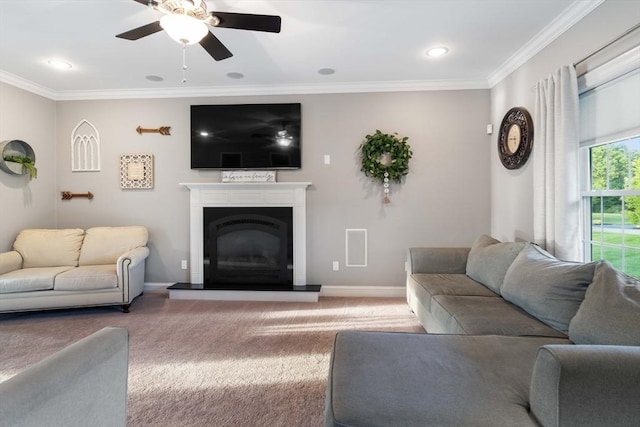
[140, 32]
[215, 48]
[247, 21]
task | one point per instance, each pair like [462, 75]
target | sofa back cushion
[48, 247]
[489, 260]
[104, 245]
[610, 312]
[545, 287]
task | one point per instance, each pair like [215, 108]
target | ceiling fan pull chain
[184, 62]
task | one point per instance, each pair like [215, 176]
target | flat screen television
[245, 136]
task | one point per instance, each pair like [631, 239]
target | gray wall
[25, 203]
[512, 191]
[444, 201]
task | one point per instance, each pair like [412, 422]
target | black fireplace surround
[248, 245]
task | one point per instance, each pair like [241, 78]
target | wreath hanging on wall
[385, 157]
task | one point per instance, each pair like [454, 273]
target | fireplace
[290, 196]
[248, 245]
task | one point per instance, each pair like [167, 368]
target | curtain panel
[556, 193]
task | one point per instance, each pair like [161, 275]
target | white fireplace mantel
[247, 194]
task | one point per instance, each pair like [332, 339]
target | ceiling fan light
[437, 51]
[283, 138]
[183, 28]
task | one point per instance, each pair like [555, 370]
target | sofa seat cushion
[30, 279]
[426, 286]
[546, 287]
[87, 278]
[104, 245]
[403, 379]
[486, 316]
[49, 248]
[610, 312]
[489, 260]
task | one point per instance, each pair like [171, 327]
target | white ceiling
[372, 45]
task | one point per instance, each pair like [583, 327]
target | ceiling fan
[187, 21]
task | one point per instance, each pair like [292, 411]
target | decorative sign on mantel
[248, 176]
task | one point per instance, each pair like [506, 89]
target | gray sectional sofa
[515, 337]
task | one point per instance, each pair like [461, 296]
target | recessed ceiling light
[154, 78]
[326, 71]
[59, 64]
[234, 75]
[435, 52]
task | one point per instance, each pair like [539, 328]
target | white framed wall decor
[85, 147]
[136, 171]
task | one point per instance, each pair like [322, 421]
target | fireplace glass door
[248, 245]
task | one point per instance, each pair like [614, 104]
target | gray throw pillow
[610, 312]
[545, 287]
[489, 260]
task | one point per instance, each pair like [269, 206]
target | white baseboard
[363, 291]
[156, 286]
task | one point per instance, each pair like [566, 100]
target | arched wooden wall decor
[85, 148]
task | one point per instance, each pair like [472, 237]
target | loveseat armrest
[586, 385]
[133, 257]
[10, 261]
[437, 260]
[130, 269]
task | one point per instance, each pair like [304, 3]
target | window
[609, 86]
[612, 204]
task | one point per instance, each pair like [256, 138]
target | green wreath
[379, 145]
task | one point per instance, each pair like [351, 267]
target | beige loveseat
[51, 269]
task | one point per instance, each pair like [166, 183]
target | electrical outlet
[184, 264]
[336, 266]
[327, 159]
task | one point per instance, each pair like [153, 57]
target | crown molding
[248, 90]
[29, 86]
[574, 13]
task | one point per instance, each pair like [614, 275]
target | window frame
[587, 194]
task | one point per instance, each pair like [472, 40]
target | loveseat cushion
[104, 245]
[89, 277]
[489, 260]
[48, 247]
[610, 312]
[473, 315]
[30, 279]
[545, 287]
[403, 379]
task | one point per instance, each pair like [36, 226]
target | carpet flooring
[213, 363]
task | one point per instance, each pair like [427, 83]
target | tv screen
[245, 136]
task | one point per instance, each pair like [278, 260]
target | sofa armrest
[85, 384]
[10, 261]
[586, 385]
[437, 260]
